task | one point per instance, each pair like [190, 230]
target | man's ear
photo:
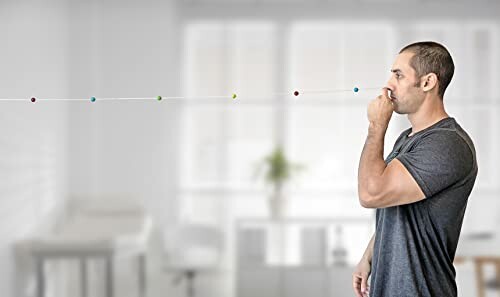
[429, 82]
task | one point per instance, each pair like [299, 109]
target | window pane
[253, 60]
[482, 59]
[332, 56]
[223, 139]
[250, 139]
[204, 144]
[207, 209]
[369, 53]
[328, 141]
[206, 60]
[316, 58]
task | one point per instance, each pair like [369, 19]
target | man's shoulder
[443, 139]
[449, 133]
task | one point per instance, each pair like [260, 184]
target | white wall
[53, 150]
[33, 137]
[123, 149]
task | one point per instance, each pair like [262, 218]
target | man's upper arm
[435, 163]
[396, 186]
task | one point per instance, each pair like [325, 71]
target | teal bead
[92, 99]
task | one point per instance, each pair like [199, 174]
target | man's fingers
[385, 92]
[356, 285]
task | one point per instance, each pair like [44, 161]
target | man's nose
[390, 85]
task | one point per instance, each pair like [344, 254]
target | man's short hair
[432, 57]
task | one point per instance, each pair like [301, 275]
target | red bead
[33, 99]
[296, 93]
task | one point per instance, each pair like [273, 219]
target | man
[421, 190]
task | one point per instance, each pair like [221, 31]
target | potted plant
[277, 170]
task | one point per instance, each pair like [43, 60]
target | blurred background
[212, 197]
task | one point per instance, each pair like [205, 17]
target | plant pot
[278, 206]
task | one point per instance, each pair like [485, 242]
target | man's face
[406, 94]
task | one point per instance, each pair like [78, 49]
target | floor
[161, 283]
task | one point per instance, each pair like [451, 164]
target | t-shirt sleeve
[437, 161]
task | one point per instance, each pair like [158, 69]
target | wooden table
[86, 237]
[482, 249]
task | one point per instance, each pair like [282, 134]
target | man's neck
[427, 115]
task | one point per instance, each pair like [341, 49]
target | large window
[224, 139]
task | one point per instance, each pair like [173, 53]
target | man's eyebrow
[396, 71]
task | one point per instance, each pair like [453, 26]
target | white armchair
[192, 249]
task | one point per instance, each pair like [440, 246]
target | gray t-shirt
[415, 243]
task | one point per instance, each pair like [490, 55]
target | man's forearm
[368, 255]
[371, 164]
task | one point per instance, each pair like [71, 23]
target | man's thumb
[363, 283]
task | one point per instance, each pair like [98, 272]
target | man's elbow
[368, 201]
[370, 197]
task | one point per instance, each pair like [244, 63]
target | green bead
[158, 98]
[234, 96]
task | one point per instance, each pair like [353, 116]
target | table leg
[479, 277]
[142, 274]
[497, 266]
[40, 277]
[83, 277]
[190, 276]
[109, 276]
